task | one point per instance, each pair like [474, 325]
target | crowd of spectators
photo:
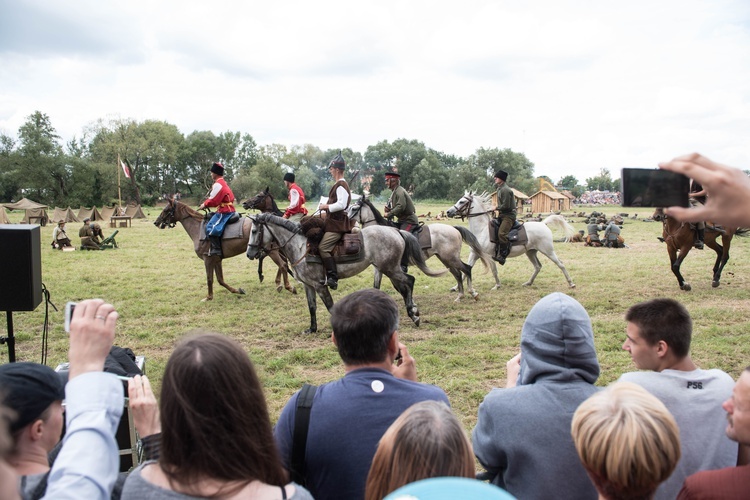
[598, 198]
[669, 430]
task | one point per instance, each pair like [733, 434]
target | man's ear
[333, 339]
[662, 349]
[393, 343]
[36, 429]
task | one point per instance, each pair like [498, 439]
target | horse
[680, 237]
[445, 241]
[478, 209]
[190, 219]
[264, 202]
[382, 247]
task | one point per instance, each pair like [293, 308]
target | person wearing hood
[523, 431]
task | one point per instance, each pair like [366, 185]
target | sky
[577, 86]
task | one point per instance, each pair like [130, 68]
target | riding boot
[215, 249]
[332, 278]
[699, 238]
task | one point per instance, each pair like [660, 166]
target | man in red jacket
[296, 209]
[222, 198]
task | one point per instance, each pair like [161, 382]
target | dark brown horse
[680, 237]
[264, 202]
[190, 219]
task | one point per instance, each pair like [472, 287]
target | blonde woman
[627, 441]
[427, 440]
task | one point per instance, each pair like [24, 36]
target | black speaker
[20, 267]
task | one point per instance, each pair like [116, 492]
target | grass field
[156, 283]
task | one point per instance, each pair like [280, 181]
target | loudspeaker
[20, 267]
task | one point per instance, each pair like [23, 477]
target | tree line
[163, 161]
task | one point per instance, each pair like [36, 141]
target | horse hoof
[572, 285]
[260, 278]
[279, 288]
[308, 332]
[686, 287]
[293, 290]
[715, 284]
[528, 283]
[206, 299]
[458, 299]
[241, 291]
[416, 320]
[475, 296]
[454, 289]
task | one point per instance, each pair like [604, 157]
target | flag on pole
[125, 168]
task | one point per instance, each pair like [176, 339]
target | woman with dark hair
[427, 440]
[216, 434]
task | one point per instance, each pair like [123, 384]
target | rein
[665, 227]
[465, 212]
[275, 239]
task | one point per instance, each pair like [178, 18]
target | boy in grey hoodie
[523, 432]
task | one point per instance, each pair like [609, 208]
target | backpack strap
[301, 426]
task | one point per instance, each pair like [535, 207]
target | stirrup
[698, 244]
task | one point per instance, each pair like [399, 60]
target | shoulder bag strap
[301, 426]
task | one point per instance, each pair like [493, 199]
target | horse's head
[255, 242]
[659, 215]
[167, 216]
[262, 201]
[462, 207]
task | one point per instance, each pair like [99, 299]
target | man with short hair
[337, 221]
[730, 482]
[88, 240]
[296, 209]
[506, 208]
[659, 332]
[400, 206]
[222, 198]
[350, 415]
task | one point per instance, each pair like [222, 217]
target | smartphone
[69, 308]
[651, 187]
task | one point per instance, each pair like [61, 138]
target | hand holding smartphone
[647, 187]
[69, 308]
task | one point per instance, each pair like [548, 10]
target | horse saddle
[350, 248]
[423, 235]
[516, 235]
[231, 229]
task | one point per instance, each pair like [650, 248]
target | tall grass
[156, 282]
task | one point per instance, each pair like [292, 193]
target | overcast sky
[575, 85]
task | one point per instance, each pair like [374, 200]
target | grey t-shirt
[137, 488]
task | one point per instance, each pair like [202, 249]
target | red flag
[125, 169]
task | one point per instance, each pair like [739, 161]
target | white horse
[445, 243]
[478, 209]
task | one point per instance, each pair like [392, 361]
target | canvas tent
[4, 216]
[65, 214]
[92, 213]
[107, 212]
[35, 213]
[135, 212]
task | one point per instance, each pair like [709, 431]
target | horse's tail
[558, 221]
[416, 258]
[473, 243]
[742, 232]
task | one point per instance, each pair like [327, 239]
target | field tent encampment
[33, 211]
[135, 212]
[91, 213]
[65, 214]
[107, 212]
[4, 216]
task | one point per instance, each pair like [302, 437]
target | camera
[69, 308]
[649, 187]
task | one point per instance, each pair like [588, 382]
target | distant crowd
[599, 198]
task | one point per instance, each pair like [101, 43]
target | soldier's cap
[217, 168]
[502, 175]
[28, 390]
[338, 162]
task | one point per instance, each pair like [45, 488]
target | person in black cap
[296, 209]
[400, 206]
[222, 198]
[88, 241]
[506, 207]
[337, 222]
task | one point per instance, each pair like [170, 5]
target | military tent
[34, 213]
[107, 212]
[92, 213]
[135, 212]
[65, 214]
[4, 216]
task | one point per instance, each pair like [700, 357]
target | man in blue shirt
[350, 415]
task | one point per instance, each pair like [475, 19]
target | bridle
[168, 217]
[356, 211]
[465, 210]
[259, 245]
[661, 216]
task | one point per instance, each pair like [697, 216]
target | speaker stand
[10, 340]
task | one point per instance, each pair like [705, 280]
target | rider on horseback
[506, 207]
[222, 198]
[400, 206]
[698, 199]
[337, 221]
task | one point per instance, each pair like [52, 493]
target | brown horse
[190, 219]
[264, 202]
[680, 237]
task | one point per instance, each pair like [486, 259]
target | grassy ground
[156, 283]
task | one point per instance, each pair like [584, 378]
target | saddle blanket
[516, 236]
[231, 231]
[425, 241]
[350, 248]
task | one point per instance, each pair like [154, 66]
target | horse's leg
[377, 277]
[534, 258]
[312, 307]
[722, 256]
[209, 264]
[220, 278]
[283, 271]
[260, 267]
[404, 283]
[466, 269]
[553, 257]
[676, 262]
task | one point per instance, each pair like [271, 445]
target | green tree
[431, 179]
[568, 182]
[46, 174]
[10, 179]
[601, 182]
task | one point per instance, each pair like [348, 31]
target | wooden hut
[547, 202]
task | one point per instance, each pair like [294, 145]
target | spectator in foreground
[349, 416]
[659, 332]
[216, 434]
[523, 431]
[427, 440]
[731, 482]
[8, 477]
[627, 441]
[728, 190]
